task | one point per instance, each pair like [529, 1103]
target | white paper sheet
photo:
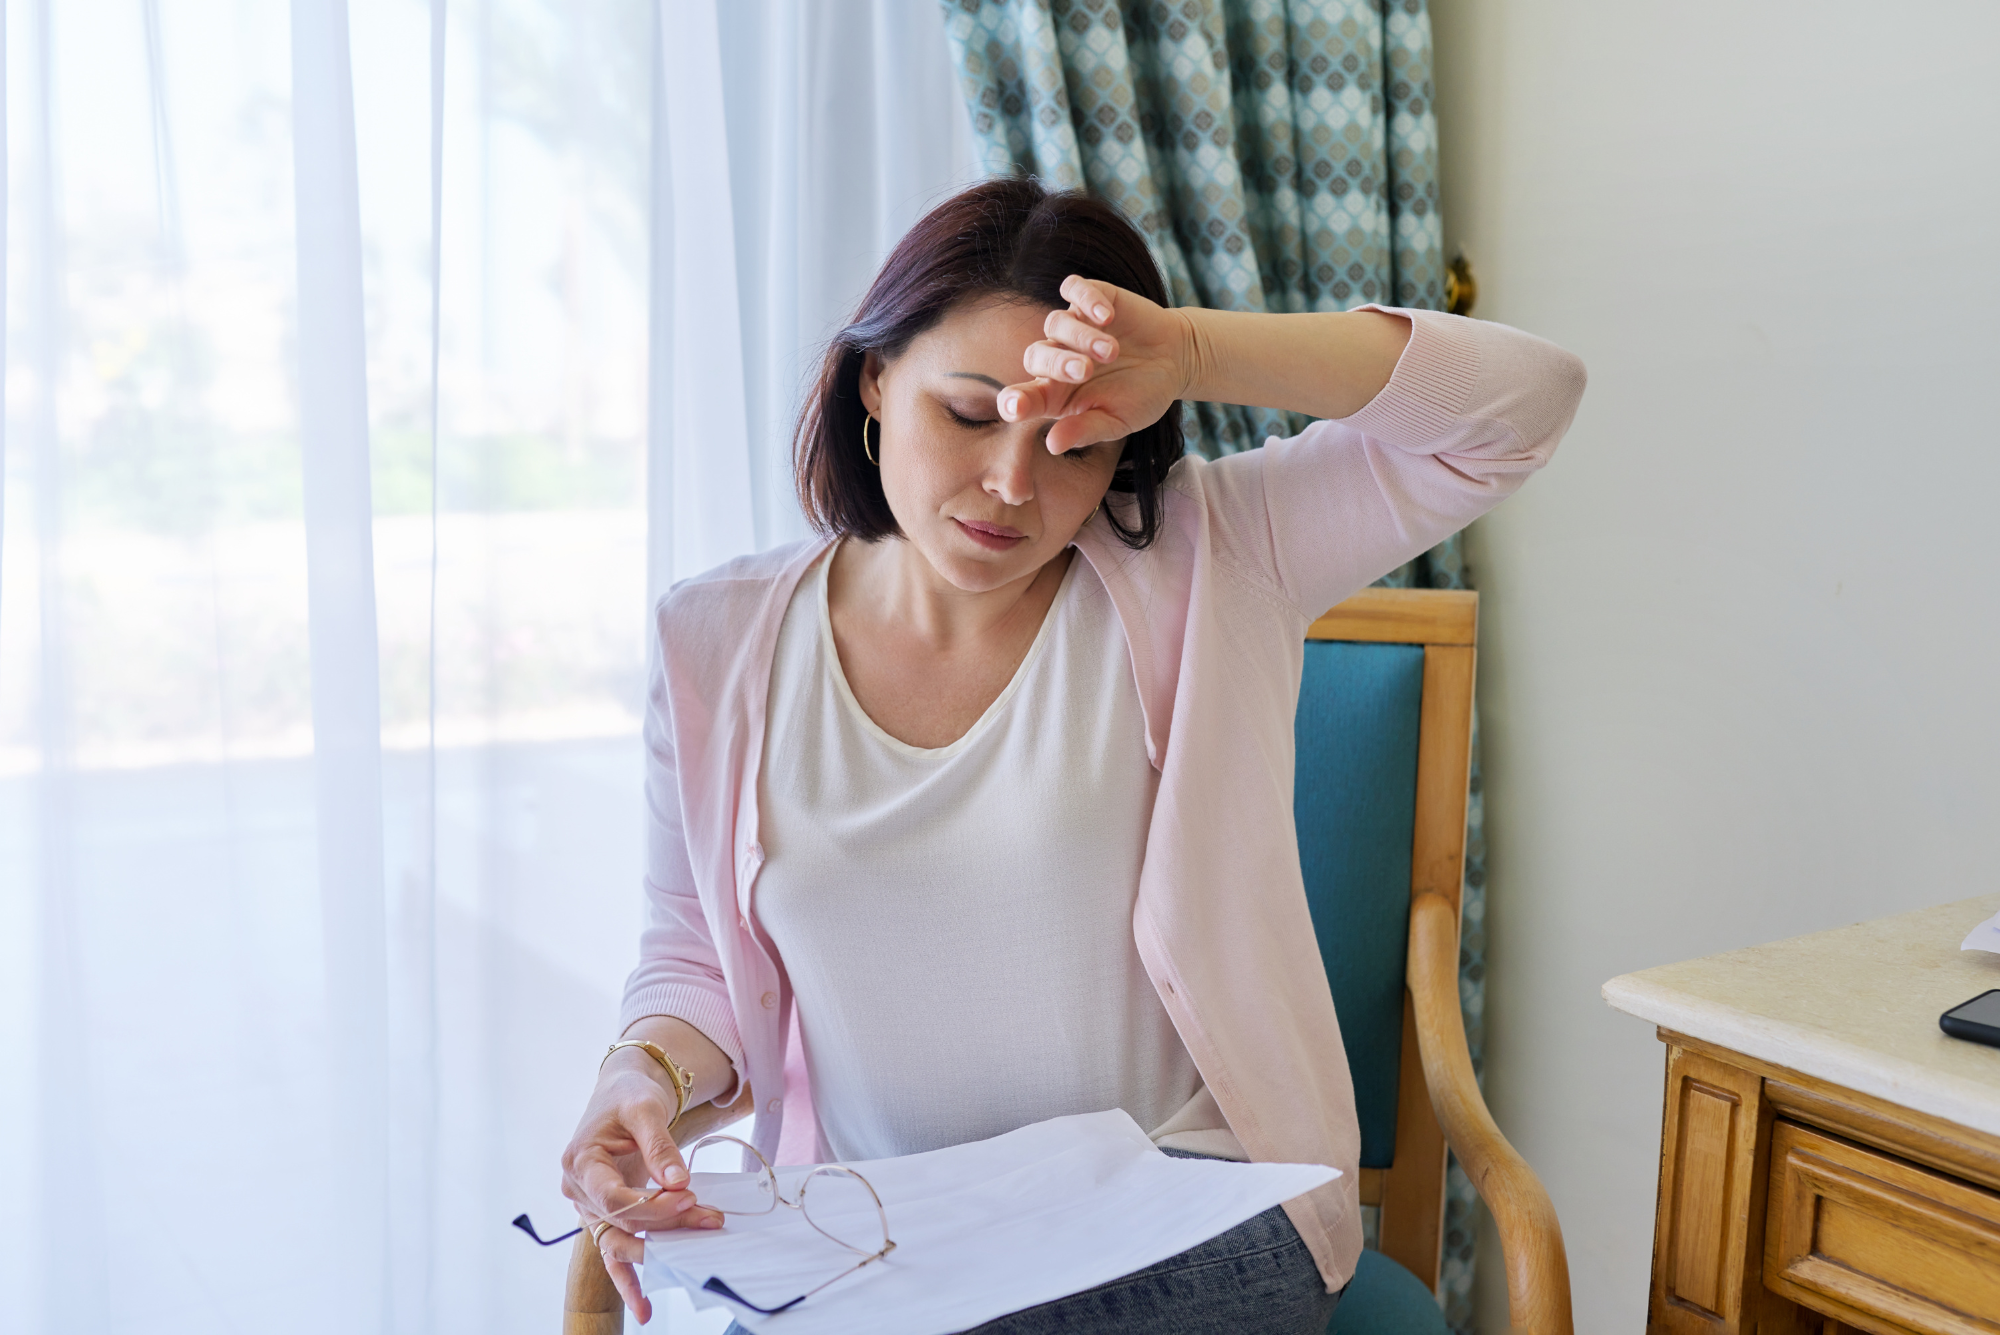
[980, 1230]
[1986, 936]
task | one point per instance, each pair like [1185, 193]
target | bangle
[682, 1081]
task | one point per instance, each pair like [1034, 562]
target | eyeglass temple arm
[527, 1226]
[715, 1284]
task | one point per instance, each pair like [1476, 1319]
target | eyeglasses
[837, 1202]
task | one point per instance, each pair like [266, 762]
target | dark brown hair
[1007, 238]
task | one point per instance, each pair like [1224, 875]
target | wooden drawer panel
[1879, 1242]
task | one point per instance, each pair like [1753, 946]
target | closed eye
[963, 420]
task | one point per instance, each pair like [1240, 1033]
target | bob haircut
[1012, 238]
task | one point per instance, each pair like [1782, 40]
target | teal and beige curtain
[1279, 155]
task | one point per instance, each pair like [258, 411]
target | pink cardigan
[1254, 546]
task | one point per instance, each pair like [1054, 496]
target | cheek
[1070, 492]
[917, 475]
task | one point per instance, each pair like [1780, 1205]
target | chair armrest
[1538, 1299]
[591, 1305]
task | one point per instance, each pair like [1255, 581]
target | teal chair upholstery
[1354, 804]
[1385, 1299]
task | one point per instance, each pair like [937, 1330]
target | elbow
[1570, 379]
[1528, 394]
[1558, 397]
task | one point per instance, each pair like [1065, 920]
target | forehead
[982, 330]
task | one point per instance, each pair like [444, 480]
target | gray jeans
[1256, 1279]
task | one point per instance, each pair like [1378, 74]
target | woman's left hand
[1109, 365]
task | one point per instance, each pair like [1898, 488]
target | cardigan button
[774, 1105]
[770, 1000]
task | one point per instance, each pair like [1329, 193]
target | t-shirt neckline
[839, 673]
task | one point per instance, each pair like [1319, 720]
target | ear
[872, 367]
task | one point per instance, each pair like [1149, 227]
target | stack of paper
[1986, 936]
[980, 1230]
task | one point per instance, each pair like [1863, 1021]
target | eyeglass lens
[840, 1205]
[742, 1183]
[836, 1201]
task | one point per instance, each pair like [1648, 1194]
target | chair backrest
[1355, 803]
[1384, 741]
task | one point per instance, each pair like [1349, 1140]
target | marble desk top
[1857, 1006]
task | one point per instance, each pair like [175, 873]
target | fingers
[1066, 330]
[1076, 423]
[625, 1279]
[624, 1252]
[1094, 300]
[631, 1146]
[1031, 399]
[1072, 351]
[619, 1239]
[656, 1144]
[598, 1186]
[594, 1182]
[619, 1246]
[1088, 427]
[1049, 360]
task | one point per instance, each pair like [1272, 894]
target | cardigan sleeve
[680, 970]
[1471, 409]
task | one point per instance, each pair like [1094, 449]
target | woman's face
[982, 499]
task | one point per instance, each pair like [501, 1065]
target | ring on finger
[597, 1233]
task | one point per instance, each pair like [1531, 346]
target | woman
[993, 782]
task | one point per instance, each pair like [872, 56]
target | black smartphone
[1977, 1019]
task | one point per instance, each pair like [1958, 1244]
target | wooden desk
[1829, 1160]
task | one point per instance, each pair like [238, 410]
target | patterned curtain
[1278, 155]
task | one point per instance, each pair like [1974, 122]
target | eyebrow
[974, 375]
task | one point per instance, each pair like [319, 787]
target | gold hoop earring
[866, 420]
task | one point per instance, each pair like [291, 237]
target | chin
[980, 572]
[974, 576]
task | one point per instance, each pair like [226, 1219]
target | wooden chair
[1384, 746]
[1384, 733]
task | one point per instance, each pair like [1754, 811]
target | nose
[1010, 477]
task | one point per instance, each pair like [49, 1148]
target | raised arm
[1114, 362]
[1429, 420]
[1328, 364]
[1470, 411]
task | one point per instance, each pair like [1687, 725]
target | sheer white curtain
[368, 362]
[839, 126]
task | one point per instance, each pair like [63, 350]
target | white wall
[1739, 672]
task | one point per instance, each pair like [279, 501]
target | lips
[993, 537]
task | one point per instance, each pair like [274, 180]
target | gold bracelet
[682, 1081]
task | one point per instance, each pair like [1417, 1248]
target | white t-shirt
[957, 922]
